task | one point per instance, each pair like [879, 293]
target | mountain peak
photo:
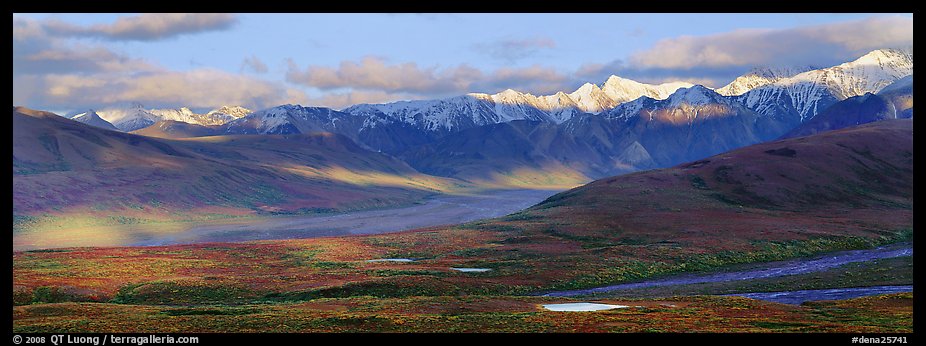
[93, 119]
[510, 96]
[233, 111]
[885, 56]
[621, 90]
[88, 114]
[695, 96]
[587, 89]
[760, 76]
[613, 79]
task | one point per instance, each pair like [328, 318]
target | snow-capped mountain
[809, 93]
[287, 119]
[595, 131]
[760, 105]
[690, 102]
[478, 109]
[182, 114]
[561, 107]
[618, 90]
[218, 116]
[797, 93]
[129, 119]
[225, 114]
[136, 117]
[455, 113]
[368, 127]
[91, 118]
[760, 76]
[687, 106]
[894, 101]
[691, 123]
[512, 105]
[645, 133]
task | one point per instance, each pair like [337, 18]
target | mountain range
[567, 138]
[136, 117]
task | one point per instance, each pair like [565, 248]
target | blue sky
[69, 62]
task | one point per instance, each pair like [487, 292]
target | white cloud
[51, 72]
[60, 58]
[374, 74]
[715, 60]
[205, 88]
[146, 27]
[809, 45]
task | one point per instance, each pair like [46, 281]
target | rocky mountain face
[800, 97]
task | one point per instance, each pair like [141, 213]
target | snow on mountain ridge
[684, 100]
[760, 76]
[807, 93]
[477, 109]
[137, 117]
[232, 111]
[92, 118]
[620, 90]
[697, 95]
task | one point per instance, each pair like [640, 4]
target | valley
[432, 211]
[767, 272]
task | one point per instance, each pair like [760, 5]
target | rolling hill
[62, 168]
[855, 181]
